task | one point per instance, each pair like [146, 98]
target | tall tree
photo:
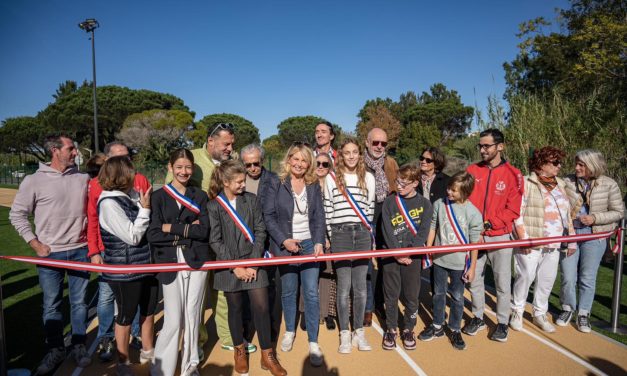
[300, 128]
[23, 134]
[245, 131]
[379, 116]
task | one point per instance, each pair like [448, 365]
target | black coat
[438, 187]
[278, 210]
[196, 242]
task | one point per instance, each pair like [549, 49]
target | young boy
[405, 217]
[455, 221]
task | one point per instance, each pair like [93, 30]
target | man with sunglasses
[385, 170]
[324, 140]
[498, 195]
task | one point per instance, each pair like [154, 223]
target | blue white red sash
[356, 208]
[181, 199]
[239, 222]
[457, 230]
[411, 225]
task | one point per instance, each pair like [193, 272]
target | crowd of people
[219, 206]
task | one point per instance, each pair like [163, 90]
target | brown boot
[368, 319]
[271, 363]
[240, 355]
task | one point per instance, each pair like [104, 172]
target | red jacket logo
[500, 187]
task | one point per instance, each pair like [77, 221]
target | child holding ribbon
[178, 232]
[406, 219]
[455, 221]
[238, 232]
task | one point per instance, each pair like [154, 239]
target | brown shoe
[240, 355]
[271, 363]
[368, 319]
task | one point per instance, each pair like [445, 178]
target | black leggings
[129, 294]
[261, 316]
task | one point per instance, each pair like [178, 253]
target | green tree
[415, 137]
[380, 116]
[155, 133]
[301, 128]
[245, 131]
[23, 134]
[73, 112]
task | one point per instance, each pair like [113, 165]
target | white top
[300, 222]
[336, 207]
[113, 219]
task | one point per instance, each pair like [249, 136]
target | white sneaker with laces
[146, 356]
[515, 322]
[288, 341]
[359, 340]
[315, 354]
[543, 323]
[345, 342]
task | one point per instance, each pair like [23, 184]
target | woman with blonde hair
[596, 207]
[295, 220]
[349, 200]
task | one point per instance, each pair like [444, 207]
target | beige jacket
[606, 203]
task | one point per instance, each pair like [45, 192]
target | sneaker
[359, 340]
[288, 341]
[146, 356]
[315, 354]
[457, 341]
[543, 323]
[81, 356]
[250, 348]
[473, 326]
[564, 318]
[124, 369]
[345, 342]
[500, 333]
[430, 333]
[409, 340]
[515, 322]
[389, 340]
[105, 349]
[583, 323]
[136, 343]
[52, 359]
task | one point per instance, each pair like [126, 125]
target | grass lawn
[22, 300]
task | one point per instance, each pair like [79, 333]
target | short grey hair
[252, 148]
[594, 161]
[52, 141]
[107, 148]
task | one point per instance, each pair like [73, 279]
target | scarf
[382, 186]
[426, 184]
[548, 183]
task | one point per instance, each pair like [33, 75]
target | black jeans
[401, 281]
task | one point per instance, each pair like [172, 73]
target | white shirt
[300, 222]
[113, 219]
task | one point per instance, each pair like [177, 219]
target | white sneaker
[543, 323]
[345, 342]
[146, 356]
[288, 341]
[315, 354]
[515, 322]
[359, 340]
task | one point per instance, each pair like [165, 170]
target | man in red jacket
[105, 307]
[497, 194]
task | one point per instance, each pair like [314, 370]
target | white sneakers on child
[359, 340]
[345, 342]
[288, 341]
[315, 354]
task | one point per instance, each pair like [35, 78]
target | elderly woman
[544, 213]
[597, 206]
[295, 221]
[433, 181]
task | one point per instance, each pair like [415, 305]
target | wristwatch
[487, 225]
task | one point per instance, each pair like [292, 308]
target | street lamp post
[89, 25]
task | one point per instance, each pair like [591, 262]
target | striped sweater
[337, 209]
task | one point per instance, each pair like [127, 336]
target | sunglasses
[222, 126]
[323, 164]
[425, 159]
[556, 162]
[377, 143]
[486, 146]
[249, 165]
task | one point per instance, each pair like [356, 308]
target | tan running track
[6, 196]
[529, 352]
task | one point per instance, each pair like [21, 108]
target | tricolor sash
[181, 199]
[457, 230]
[356, 208]
[411, 225]
[239, 222]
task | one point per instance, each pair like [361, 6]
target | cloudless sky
[265, 60]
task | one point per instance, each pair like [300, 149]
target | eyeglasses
[377, 143]
[249, 165]
[425, 159]
[222, 126]
[323, 164]
[402, 184]
[555, 162]
[486, 146]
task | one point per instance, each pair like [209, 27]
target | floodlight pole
[89, 25]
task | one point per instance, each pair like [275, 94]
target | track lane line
[410, 362]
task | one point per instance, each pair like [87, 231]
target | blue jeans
[106, 312]
[51, 282]
[581, 269]
[456, 289]
[308, 273]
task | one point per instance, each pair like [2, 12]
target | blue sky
[264, 60]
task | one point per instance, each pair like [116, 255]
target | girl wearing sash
[178, 233]
[455, 221]
[406, 219]
[238, 232]
[295, 220]
[349, 205]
